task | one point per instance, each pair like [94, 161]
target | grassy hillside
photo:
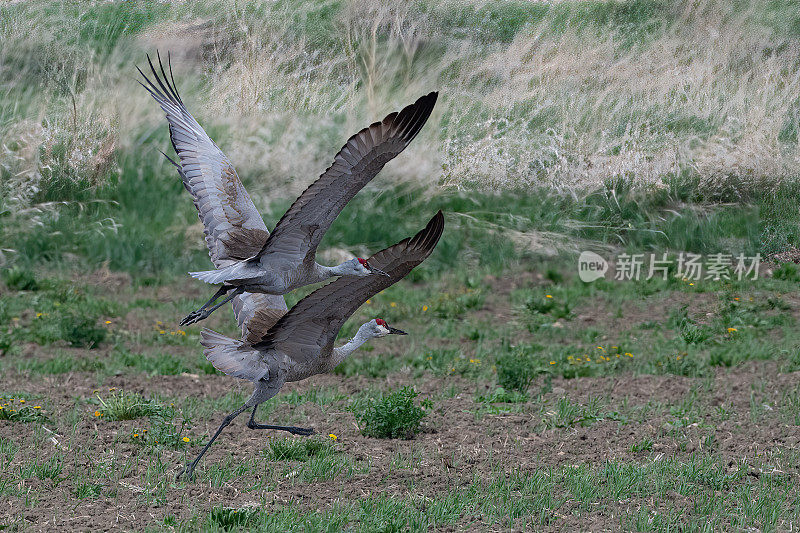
[640, 116]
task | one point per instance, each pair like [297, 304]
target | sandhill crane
[285, 260]
[300, 343]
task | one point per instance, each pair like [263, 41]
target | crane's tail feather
[214, 277]
[236, 271]
[233, 357]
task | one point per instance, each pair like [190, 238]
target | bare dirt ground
[733, 414]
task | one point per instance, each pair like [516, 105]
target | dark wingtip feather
[412, 118]
[428, 237]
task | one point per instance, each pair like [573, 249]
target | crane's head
[358, 267]
[380, 328]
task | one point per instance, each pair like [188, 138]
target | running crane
[246, 256]
[300, 343]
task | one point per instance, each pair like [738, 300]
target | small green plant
[788, 272]
[15, 409]
[297, 450]
[86, 489]
[20, 279]
[690, 332]
[49, 469]
[233, 518]
[393, 415]
[645, 445]
[548, 305]
[81, 330]
[517, 368]
[122, 406]
[568, 414]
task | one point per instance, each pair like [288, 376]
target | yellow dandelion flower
[393, 304]
[475, 361]
[601, 348]
[737, 299]
[22, 400]
[552, 362]
[424, 308]
[108, 322]
[39, 314]
[161, 332]
[37, 406]
[731, 330]
[135, 435]
[547, 296]
[181, 332]
[588, 359]
[112, 389]
[369, 302]
[98, 413]
[691, 284]
[629, 354]
[185, 439]
[332, 437]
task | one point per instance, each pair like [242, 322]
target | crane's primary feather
[300, 230]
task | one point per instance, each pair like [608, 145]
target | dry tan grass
[601, 111]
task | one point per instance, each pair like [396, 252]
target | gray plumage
[301, 343]
[285, 260]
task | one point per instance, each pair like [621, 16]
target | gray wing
[300, 230]
[314, 322]
[256, 313]
[234, 230]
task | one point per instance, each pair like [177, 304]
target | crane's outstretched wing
[234, 230]
[300, 230]
[256, 313]
[314, 322]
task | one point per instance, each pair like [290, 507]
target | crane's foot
[186, 472]
[195, 316]
[294, 430]
[301, 431]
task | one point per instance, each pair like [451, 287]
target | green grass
[392, 415]
[122, 406]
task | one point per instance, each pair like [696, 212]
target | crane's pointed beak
[395, 331]
[377, 271]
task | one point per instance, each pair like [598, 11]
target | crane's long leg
[203, 312]
[291, 429]
[189, 470]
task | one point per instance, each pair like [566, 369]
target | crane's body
[300, 343]
[257, 261]
[264, 275]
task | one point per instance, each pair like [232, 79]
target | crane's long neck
[341, 353]
[321, 273]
